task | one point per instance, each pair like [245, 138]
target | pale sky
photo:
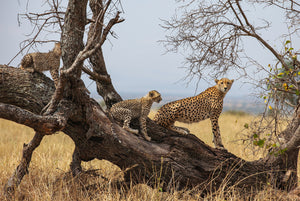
[136, 60]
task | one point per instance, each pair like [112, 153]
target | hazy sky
[136, 60]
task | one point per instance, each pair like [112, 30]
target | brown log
[168, 160]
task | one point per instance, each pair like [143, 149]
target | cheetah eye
[221, 82]
[228, 83]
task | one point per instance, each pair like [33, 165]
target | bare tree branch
[22, 168]
[42, 124]
[104, 89]
[97, 77]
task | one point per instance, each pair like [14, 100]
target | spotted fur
[135, 108]
[40, 62]
[208, 104]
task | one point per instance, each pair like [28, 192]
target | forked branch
[90, 48]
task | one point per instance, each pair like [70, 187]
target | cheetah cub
[135, 108]
[40, 62]
[208, 104]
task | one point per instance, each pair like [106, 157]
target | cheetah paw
[220, 147]
[184, 131]
[147, 138]
[134, 131]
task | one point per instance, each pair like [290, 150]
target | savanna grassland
[49, 177]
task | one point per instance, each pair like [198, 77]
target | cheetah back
[120, 109]
[191, 109]
[45, 61]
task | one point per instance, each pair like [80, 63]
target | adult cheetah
[208, 104]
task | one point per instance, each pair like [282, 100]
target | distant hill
[246, 104]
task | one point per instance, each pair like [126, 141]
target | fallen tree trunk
[169, 160]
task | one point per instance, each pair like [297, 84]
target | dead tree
[178, 161]
[186, 161]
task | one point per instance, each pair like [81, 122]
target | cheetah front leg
[126, 125]
[216, 132]
[55, 76]
[144, 128]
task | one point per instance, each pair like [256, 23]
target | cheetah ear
[216, 80]
[232, 80]
[151, 94]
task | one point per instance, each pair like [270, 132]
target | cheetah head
[224, 84]
[154, 96]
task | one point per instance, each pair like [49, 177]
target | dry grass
[49, 179]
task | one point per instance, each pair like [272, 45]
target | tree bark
[72, 33]
[169, 160]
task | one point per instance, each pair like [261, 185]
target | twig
[97, 77]
[32, 41]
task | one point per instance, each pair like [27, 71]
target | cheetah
[135, 108]
[208, 104]
[40, 62]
